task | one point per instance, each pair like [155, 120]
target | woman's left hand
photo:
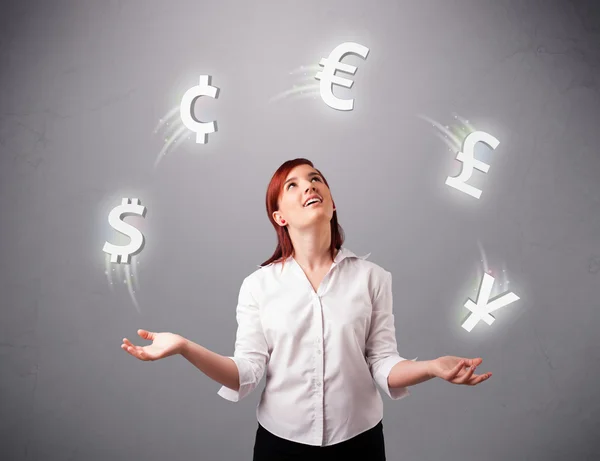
[458, 370]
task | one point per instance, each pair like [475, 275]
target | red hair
[284, 245]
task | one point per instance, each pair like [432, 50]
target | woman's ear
[278, 219]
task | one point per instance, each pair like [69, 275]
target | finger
[467, 376]
[129, 349]
[452, 373]
[135, 351]
[480, 378]
[146, 334]
[473, 362]
[127, 342]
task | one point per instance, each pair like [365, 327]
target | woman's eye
[293, 183]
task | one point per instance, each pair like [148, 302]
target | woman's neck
[311, 249]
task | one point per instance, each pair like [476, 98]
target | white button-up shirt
[323, 351]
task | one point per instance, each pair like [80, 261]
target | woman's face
[295, 207]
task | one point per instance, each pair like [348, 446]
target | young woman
[319, 321]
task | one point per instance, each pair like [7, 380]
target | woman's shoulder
[262, 273]
[363, 264]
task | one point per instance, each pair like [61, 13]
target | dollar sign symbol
[467, 157]
[186, 109]
[127, 207]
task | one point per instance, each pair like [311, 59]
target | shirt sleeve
[381, 348]
[251, 350]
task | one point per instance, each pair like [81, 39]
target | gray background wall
[83, 87]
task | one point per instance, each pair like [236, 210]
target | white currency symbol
[186, 109]
[481, 310]
[328, 77]
[470, 162]
[137, 238]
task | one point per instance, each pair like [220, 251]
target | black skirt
[368, 445]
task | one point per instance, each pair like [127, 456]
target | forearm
[217, 367]
[408, 373]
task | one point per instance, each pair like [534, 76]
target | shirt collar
[343, 253]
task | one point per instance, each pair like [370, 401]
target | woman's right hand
[163, 345]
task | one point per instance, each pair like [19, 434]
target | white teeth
[312, 200]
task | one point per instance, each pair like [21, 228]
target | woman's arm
[240, 373]
[381, 349]
[217, 367]
[457, 370]
[409, 372]
[396, 374]
[251, 350]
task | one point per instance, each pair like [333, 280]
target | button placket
[319, 368]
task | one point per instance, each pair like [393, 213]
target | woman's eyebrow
[295, 178]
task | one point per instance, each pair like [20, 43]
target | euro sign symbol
[127, 207]
[467, 156]
[481, 310]
[186, 109]
[328, 78]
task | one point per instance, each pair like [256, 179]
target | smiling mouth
[312, 201]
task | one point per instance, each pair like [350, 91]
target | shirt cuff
[394, 393]
[246, 382]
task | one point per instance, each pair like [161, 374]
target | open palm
[163, 345]
[453, 369]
